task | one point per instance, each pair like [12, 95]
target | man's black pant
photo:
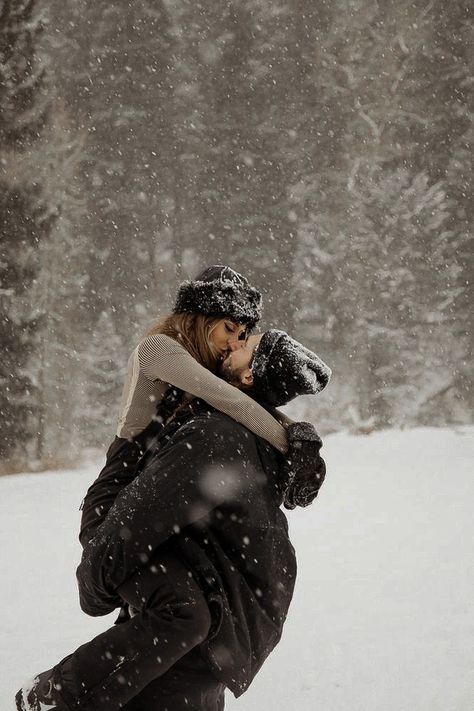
[133, 665]
[187, 686]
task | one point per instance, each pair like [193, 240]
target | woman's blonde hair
[193, 332]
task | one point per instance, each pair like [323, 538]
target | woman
[183, 351]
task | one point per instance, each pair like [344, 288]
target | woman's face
[225, 333]
[237, 365]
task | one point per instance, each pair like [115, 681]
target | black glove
[167, 406]
[303, 469]
[171, 400]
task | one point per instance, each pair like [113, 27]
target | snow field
[382, 614]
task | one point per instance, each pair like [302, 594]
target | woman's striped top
[159, 361]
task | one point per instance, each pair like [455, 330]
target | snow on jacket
[212, 494]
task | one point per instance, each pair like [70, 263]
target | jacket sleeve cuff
[302, 431]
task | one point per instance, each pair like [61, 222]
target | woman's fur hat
[220, 291]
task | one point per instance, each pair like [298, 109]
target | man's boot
[40, 694]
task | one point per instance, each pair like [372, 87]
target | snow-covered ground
[382, 615]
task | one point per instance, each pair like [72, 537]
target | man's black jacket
[210, 493]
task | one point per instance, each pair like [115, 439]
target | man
[198, 547]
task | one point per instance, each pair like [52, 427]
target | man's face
[236, 366]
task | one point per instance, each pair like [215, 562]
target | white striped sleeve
[163, 358]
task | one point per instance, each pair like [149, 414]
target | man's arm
[207, 461]
[303, 469]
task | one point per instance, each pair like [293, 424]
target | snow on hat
[282, 369]
[220, 291]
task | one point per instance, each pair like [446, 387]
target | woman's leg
[119, 470]
[172, 618]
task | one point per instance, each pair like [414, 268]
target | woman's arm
[163, 358]
[282, 418]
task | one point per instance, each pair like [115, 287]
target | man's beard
[229, 374]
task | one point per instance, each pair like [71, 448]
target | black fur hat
[282, 369]
[220, 291]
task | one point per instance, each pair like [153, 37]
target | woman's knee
[184, 605]
[177, 594]
[201, 620]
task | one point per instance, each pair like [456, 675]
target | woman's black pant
[147, 662]
[119, 470]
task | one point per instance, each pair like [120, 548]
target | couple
[183, 529]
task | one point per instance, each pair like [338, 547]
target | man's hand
[303, 469]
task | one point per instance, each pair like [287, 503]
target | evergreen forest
[324, 148]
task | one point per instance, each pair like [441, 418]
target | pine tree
[253, 81]
[102, 380]
[25, 214]
[378, 238]
[59, 295]
[454, 36]
[119, 82]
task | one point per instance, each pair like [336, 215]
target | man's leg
[172, 618]
[188, 686]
